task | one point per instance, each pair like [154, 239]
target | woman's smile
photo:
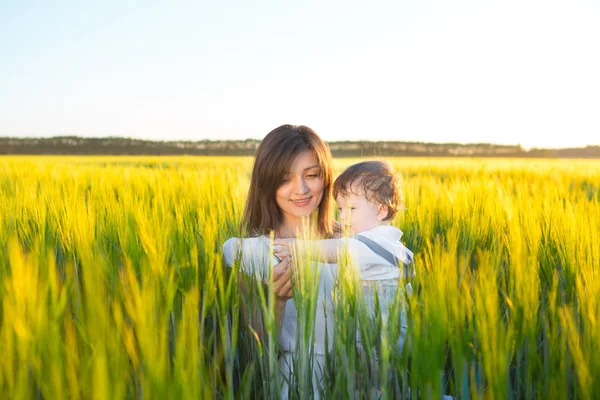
[302, 202]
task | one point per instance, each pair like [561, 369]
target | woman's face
[301, 189]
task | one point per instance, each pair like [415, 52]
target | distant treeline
[71, 145]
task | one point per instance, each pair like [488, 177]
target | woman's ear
[382, 212]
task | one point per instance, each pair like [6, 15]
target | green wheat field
[112, 285]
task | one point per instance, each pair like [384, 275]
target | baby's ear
[382, 212]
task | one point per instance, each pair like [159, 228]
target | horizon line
[518, 145]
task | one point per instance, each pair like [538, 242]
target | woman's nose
[301, 186]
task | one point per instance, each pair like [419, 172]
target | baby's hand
[283, 247]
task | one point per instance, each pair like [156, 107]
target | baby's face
[357, 214]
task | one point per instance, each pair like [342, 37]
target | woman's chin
[305, 214]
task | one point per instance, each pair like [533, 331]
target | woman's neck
[289, 230]
[298, 228]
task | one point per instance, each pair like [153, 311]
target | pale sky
[508, 72]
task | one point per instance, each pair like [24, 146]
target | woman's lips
[302, 202]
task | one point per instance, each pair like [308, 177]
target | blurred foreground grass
[112, 284]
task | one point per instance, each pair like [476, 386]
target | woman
[290, 195]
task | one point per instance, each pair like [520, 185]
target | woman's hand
[282, 287]
[282, 284]
[283, 247]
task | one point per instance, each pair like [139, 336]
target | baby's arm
[326, 250]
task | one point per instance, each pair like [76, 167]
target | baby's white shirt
[372, 266]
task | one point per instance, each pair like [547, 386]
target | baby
[368, 196]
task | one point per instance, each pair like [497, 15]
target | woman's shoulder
[230, 249]
[248, 247]
[249, 239]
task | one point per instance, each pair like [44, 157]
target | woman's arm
[236, 249]
[281, 289]
[326, 250]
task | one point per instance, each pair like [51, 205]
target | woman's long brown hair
[273, 159]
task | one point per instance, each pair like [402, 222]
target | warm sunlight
[509, 72]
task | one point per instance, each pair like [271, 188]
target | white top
[254, 260]
[373, 267]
